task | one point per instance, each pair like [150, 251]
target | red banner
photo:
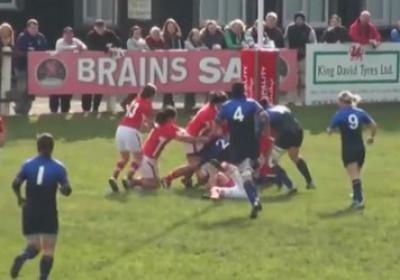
[268, 77]
[248, 58]
[96, 72]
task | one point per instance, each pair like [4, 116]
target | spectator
[274, 33]
[212, 36]
[193, 41]
[68, 42]
[172, 36]
[234, 34]
[100, 38]
[251, 37]
[29, 40]
[136, 41]
[154, 40]
[395, 33]
[335, 33]
[298, 34]
[363, 32]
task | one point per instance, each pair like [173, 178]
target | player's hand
[21, 202]
[370, 141]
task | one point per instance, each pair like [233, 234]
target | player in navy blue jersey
[288, 137]
[241, 115]
[349, 121]
[43, 176]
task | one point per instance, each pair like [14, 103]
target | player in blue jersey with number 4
[241, 114]
[349, 120]
[43, 176]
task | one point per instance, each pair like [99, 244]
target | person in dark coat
[274, 33]
[335, 33]
[212, 36]
[100, 38]
[29, 40]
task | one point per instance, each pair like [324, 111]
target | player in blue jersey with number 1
[241, 114]
[349, 120]
[43, 176]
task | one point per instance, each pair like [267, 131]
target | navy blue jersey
[281, 119]
[241, 114]
[42, 175]
[218, 149]
[350, 121]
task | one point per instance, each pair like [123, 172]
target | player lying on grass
[43, 176]
[2, 133]
[128, 137]
[349, 121]
[288, 136]
[200, 125]
[164, 131]
[224, 181]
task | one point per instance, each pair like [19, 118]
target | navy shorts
[356, 155]
[292, 138]
[39, 222]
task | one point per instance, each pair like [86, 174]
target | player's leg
[183, 171]
[135, 147]
[354, 162]
[246, 172]
[32, 249]
[49, 242]
[294, 154]
[149, 180]
[280, 173]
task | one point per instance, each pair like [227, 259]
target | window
[222, 10]
[96, 9]
[8, 4]
[316, 11]
[380, 10]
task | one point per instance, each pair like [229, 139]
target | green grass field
[175, 235]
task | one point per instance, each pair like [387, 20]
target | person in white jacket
[136, 41]
[68, 42]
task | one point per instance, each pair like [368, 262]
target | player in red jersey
[2, 133]
[164, 131]
[200, 125]
[128, 137]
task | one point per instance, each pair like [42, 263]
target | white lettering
[209, 66]
[86, 70]
[127, 74]
[233, 70]
[179, 70]
[107, 67]
[157, 71]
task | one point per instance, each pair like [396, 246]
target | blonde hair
[6, 34]
[237, 22]
[349, 98]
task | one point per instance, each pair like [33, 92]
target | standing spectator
[72, 44]
[99, 39]
[395, 33]
[172, 37]
[234, 34]
[363, 32]
[29, 40]
[154, 40]
[298, 34]
[193, 41]
[335, 33]
[274, 33]
[212, 36]
[136, 41]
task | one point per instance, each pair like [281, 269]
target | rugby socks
[303, 168]
[357, 191]
[282, 177]
[133, 169]
[118, 168]
[29, 253]
[46, 263]
[251, 192]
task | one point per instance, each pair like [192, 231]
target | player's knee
[32, 251]
[247, 176]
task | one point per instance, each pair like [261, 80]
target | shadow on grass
[234, 222]
[340, 213]
[192, 193]
[280, 198]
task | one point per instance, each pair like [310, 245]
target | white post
[260, 26]
[111, 104]
[6, 72]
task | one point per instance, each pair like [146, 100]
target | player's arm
[372, 127]
[65, 187]
[333, 126]
[262, 120]
[17, 184]
[182, 136]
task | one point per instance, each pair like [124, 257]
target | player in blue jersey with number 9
[241, 115]
[349, 121]
[43, 176]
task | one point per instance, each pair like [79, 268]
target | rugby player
[349, 121]
[241, 115]
[128, 137]
[164, 131]
[43, 176]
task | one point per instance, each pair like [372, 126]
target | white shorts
[149, 168]
[128, 139]
[191, 149]
[236, 192]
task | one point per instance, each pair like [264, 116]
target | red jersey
[137, 110]
[159, 138]
[201, 123]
